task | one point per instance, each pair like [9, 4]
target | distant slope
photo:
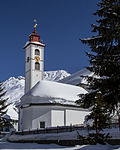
[76, 79]
[14, 88]
[55, 75]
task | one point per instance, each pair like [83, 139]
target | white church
[46, 103]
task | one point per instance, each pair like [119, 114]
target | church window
[37, 52]
[42, 124]
[37, 66]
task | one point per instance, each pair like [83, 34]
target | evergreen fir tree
[100, 117]
[105, 63]
[105, 55]
[3, 107]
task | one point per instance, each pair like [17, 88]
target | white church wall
[36, 75]
[42, 53]
[41, 114]
[74, 117]
[57, 118]
[20, 115]
[42, 61]
[65, 115]
[52, 116]
[26, 118]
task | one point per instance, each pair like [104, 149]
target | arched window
[37, 52]
[37, 66]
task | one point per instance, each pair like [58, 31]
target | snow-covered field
[16, 146]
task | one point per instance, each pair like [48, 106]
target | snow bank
[64, 136]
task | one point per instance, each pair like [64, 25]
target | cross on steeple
[34, 37]
[35, 23]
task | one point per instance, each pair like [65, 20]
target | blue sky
[60, 25]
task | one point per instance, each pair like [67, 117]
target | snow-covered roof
[52, 92]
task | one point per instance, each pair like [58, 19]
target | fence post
[57, 129]
[29, 131]
[37, 131]
[70, 127]
[22, 132]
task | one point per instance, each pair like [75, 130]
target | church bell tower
[34, 60]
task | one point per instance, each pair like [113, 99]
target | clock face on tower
[37, 58]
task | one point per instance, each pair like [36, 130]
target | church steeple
[34, 63]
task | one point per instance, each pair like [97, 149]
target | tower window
[37, 66]
[37, 52]
[28, 58]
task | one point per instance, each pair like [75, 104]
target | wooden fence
[58, 129]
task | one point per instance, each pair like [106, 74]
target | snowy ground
[15, 146]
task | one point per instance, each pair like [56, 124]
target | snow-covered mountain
[55, 75]
[75, 78]
[14, 88]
